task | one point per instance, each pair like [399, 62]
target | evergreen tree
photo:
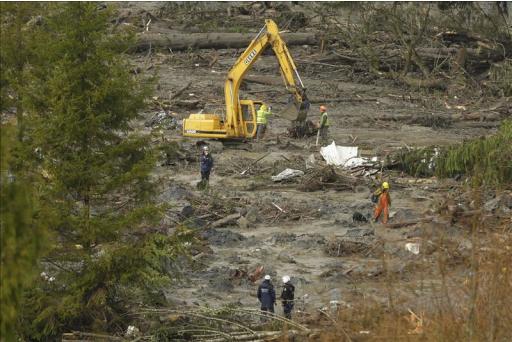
[20, 24]
[97, 179]
[22, 235]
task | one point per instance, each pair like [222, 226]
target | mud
[313, 238]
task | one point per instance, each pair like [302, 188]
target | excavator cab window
[249, 117]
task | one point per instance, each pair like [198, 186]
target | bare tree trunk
[183, 41]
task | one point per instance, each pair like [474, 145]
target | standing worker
[287, 297]
[261, 120]
[267, 295]
[324, 123]
[383, 203]
[206, 166]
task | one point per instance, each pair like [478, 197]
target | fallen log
[226, 220]
[408, 223]
[216, 40]
[179, 91]
[84, 336]
[254, 163]
[344, 99]
[260, 336]
[264, 80]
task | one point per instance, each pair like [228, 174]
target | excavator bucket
[295, 111]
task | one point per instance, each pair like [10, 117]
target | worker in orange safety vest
[383, 203]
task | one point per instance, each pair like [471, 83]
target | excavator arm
[268, 35]
[240, 119]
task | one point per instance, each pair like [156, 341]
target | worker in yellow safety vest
[261, 120]
[324, 123]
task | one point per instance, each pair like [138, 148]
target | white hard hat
[267, 277]
[286, 279]
[206, 148]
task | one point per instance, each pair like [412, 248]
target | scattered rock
[359, 232]
[285, 257]
[358, 217]
[187, 211]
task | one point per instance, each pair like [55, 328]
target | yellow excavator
[240, 118]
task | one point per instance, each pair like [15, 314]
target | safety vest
[261, 116]
[324, 120]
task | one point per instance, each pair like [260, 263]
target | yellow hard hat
[263, 107]
[385, 185]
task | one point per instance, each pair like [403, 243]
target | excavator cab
[213, 126]
[248, 110]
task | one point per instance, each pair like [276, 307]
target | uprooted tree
[427, 45]
[487, 160]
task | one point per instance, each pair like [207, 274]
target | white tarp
[345, 156]
[287, 174]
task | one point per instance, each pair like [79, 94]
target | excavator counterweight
[240, 119]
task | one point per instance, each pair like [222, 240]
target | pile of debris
[295, 162]
[494, 208]
[242, 167]
[348, 158]
[163, 120]
[327, 177]
[344, 246]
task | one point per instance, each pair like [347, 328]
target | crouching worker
[267, 295]
[206, 163]
[287, 297]
[383, 202]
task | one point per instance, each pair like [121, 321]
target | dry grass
[465, 301]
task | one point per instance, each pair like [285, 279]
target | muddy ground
[370, 261]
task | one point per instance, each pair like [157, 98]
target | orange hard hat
[323, 108]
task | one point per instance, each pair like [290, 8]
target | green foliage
[93, 173]
[488, 159]
[501, 78]
[80, 115]
[19, 30]
[416, 162]
[23, 235]
[105, 286]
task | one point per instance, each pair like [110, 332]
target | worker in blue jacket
[206, 165]
[267, 295]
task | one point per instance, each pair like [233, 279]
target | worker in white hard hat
[267, 295]
[287, 297]
[206, 162]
